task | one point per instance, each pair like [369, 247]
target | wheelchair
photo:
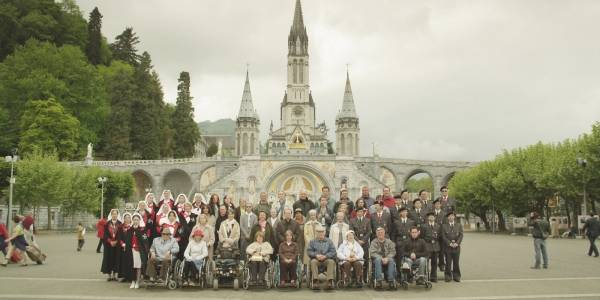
[170, 280]
[410, 274]
[268, 280]
[345, 282]
[277, 272]
[321, 277]
[226, 269]
[372, 281]
[197, 279]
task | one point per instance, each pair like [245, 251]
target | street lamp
[12, 159]
[102, 181]
[583, 163]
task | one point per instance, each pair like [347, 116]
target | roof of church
[348, 109]
[246, 107]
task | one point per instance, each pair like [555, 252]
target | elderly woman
[17, 242]
[338, 230]
[350, 254]
[263, 226]
[310, 232]
[194, 255]
[259, 254]
[229, 232]
[288, 252]
[111, 254]
[207, 231]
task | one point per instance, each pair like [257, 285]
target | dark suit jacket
[402, 230]
[419, 218]
[452, 234]
[432, 236]
[362, 230]
[385, 221]
[418, 247]
[592, 227]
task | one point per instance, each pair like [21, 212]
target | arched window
[295, 70]
[301, 67]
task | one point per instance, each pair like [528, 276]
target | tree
[166, 129]
[121, 88]
[212, 150]
[60, 23]
[93, 49]
[124, 47]
[187, 133]
[41, 181]
[46, 127]
[145, 126]
[5, 142]
[415, 185]
[40, 70]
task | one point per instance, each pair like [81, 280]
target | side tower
[347, 131]
[246, 129]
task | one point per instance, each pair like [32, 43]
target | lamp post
[583, 163]
[102, 181]
[11, 159]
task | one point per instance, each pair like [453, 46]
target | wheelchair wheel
[428, 285]
[172, 284]
[404, 285]
[215, 284]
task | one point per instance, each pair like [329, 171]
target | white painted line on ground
[549, 296]
[86, 297]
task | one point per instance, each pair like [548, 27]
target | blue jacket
[323, 247]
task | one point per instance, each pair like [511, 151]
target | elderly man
[383, 252]
[424, 196]
[321, 252]
[263, 204]
[448, 204]
[338, 230]
[247, 221]
[367, 197]
[387, 198]
[415, 254]
[282, 203]
[163, 249]
[304, 203]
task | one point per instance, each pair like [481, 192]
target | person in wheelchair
[194, 255]
[415, 256]
[350, 254]
[288, 253]
[321, 252]
[259, 254]
[229, 234]
[162, 251]
[383, 251]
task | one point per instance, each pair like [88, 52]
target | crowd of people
[389, 231]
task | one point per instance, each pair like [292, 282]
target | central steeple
[298, 39]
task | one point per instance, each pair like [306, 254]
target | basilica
[298, 155]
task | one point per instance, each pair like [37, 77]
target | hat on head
[402, 209]
[415, 201]
[450, 213]
[436, 201]
[198, 232]
[430, 214]
[298, 210]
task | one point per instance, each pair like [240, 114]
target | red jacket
[100, 228]
[389, 202]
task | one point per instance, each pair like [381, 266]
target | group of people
[391, 230]
[20, 244]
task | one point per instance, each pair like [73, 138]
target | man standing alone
[540, 231]
[592, 230]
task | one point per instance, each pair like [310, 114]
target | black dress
[126, 262]
[111, 255]
[185, 230]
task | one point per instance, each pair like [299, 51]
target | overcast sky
[439, 80]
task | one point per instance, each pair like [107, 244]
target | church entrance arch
[297, 177]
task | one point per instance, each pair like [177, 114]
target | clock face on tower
[298, 111]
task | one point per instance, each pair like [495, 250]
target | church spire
[298, 39]
[246, 107]
[348, 109]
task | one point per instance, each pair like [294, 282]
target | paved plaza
[493, 267]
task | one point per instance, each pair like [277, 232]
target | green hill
[219, 127]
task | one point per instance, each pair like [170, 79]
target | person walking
[592, 231]
[80, 236]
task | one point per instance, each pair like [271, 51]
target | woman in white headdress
[167, 197]
[198, 202]
[179, 203]
[110, 257]
[350, 254]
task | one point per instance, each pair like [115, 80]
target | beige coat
[263, 250]
[309, 235]
[234, 237]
